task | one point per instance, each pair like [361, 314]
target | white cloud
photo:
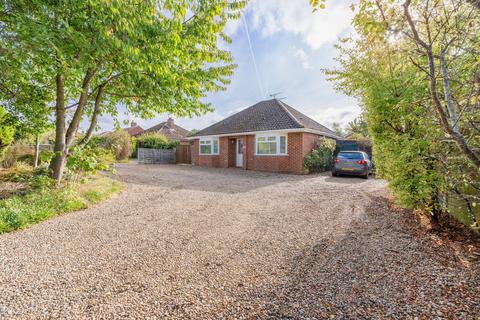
[328, 114]
[300, 53]
[324, 26]
[232, 26]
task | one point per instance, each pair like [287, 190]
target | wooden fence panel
[150, 156]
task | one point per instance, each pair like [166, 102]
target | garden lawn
[20, 211]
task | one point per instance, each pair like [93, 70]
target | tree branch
[457, 137]
[96, 112]
[82, 101]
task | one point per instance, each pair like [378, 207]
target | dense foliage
[6, 130]
[414, 67]
[72, 60]
[154, 141]
[118, 142]
[321, 157]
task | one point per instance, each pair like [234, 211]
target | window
[209, 146]
[350, 155]
[271, 145]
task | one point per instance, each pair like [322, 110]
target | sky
[290, 46]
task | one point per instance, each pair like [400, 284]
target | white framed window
[271, 144]
[209, 146]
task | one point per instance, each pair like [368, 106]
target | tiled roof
[265, 116]
[134, 131]
[174, 133]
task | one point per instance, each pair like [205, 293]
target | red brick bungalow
[268, 136]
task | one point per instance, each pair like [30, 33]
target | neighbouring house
[134, 129]
[170, 130]
[268, 136]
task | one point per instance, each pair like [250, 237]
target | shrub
[19, 172]
[6, 131]
[118, 142]
[17, 152]
[154, 141]
[321, 157]
[46, 156]
[87, 161]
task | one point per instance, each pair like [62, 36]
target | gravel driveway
[195, 243]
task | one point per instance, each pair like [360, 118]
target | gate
[183, 153]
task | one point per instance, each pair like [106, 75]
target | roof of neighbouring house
[172, 131]
[266, 115]
[134, 130]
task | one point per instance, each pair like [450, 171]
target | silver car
[352, 163]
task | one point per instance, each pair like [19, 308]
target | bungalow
[170, 130]
[268, 136]
[134, 129]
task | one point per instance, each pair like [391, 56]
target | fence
[149, 156]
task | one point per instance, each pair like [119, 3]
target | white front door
[239, 162]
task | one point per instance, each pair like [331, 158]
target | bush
[87, 161]
[19, 172]
[154, 141]
[17, 152]
[6, 131]
[321, 157]
[118, 142]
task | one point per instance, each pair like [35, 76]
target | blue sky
[290, 44]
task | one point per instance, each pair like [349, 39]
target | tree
[414, 68]
[454, 26]
[337, 128]
[148, 56]
[358, 127]
[192, 132]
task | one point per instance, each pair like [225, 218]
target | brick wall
[310, 140]
[218, 161]
[299, 145]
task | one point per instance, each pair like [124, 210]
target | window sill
[271, 155]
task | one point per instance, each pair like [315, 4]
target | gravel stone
[185, 242]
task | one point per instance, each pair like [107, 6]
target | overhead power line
[253, 57]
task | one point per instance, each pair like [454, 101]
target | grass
[40, 204]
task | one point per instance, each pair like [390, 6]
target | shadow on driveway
[225, 180]
[381, 267]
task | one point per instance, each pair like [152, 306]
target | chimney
[170, 122]
[133, 124]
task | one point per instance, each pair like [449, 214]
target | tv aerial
[274, 96]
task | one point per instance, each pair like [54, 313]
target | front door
[239, 162]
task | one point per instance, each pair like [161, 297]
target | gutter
[320, 133]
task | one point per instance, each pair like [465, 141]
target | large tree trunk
[58, 162]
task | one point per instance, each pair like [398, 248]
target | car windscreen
[350, 156]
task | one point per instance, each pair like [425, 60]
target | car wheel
[365, 176]
[334, 174]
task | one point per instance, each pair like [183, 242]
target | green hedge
[321, 157]
[153, 141]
